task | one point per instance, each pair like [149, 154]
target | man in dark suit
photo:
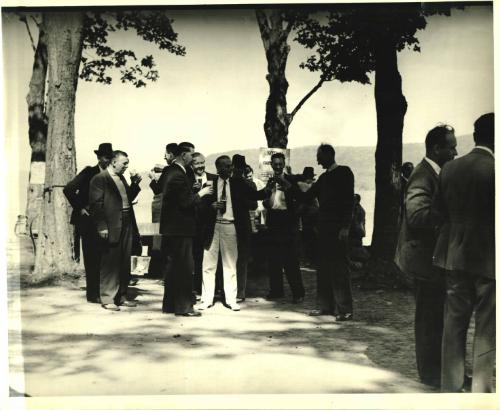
[227, 215]
[202, 178]
[335, 192]
[465, 248]
[416, 242]
[178, 227]
[283, 233]
[77, 192]
[156, 262]
[111, 208]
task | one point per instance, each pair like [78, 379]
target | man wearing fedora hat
[77, 193]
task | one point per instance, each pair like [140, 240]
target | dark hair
[248, 168]
[170, 148]
[278, 155]
[358, 197]
[437, 136]
[219, 159]
[182, 148]
[484, 129]
[118, 153]
[327, 150]
[407, 169]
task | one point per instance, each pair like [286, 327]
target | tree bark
[391, 108]
[274, 30]
[37, 120]
[55, 239]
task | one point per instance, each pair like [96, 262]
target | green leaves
[151, 26]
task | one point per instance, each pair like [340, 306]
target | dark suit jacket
[77, 191]
[465, 204]
[242, 196]
[292, 207]
[417, 235]
[178, 207]
[106, 205]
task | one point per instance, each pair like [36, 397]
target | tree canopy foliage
[152, 26]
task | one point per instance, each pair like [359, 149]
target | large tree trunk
[391, 109]
[274, 30]
[55, 239]
[37, 120]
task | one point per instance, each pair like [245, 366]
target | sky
[215, 95]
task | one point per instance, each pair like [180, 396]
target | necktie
[223, 198]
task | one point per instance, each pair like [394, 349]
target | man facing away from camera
[465, 249]
[335, 193]
[111, 208]
[77, 192]
[416, 243]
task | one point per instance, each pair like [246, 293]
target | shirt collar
[486, 149]
[434, 166]
[182, 166]
[112, 171]
[100, 168]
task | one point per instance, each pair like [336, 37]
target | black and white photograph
[265, 201]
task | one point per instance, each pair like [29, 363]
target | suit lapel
[112, 183]
[430, 169]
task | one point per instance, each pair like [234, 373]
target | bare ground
[60, 345]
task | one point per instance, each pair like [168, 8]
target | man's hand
[152, 175]
[270, 184]
[84, 212]
[283, 183]
[344, 234]
[135, 178]
[218, 205]
[103, 234]
[197, 186]
[208, 190]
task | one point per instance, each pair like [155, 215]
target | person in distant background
[308, 212]
[201, 179]
[77, 192]
[357, 231]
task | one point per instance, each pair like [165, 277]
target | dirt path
[70, 347]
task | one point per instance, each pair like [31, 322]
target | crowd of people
[206, 220]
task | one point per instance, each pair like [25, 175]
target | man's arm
[418, 203]
[96, 201]
[72, 187]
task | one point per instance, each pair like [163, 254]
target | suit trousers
[91, 256]
[284, 257]
[225, 241]
[429, 317]
[198, 262]
[334, 282]
[178, 268]
[464, 294]
[244, 251]
[115, 265]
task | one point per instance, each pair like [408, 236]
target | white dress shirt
[228, 215]
[434, 166]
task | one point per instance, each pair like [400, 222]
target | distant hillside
[360, 159]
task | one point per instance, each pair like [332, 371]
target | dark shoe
[133, 282]
[129, 303]
[240, 300]
[319, 312]
[467, 387]
[297, 300]
[189, 314]
[204, 306]
[110, 306]
[344, 317]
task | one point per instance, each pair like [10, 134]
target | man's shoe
[344, 317]
[240, 300]
[235, 307]
[297, 300]
[129, 303]
[133, 282]
[204, 306]
[110, 306]
[319, 312]
[189, 314]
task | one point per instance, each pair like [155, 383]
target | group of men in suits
[447, 242]
[104, 216]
